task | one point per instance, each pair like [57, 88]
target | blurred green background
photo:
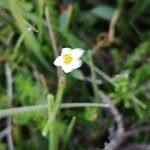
[122, 69]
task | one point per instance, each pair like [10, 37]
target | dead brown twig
[117, 140]
[141, 146]
[105, 39]
[4, 132]
[114, 20]
[112, 27]
[121, 134]
[52, 37]
[136, 130]
[50, 32]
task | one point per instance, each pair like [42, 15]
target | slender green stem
[104, 75]
[78, 105]
[40, 9]
[61, 86]
[136, 100]
[68, 132]
[28, 109]
[55, 110]
[19, 42]
[52, 112]
[94, 84]
[52, 137]
[99, 71]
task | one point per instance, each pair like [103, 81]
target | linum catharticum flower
[69, 59]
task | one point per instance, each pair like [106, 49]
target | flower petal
[76, 63]
[67, 68]
[58, 61]
[65, 50]
[77, 52]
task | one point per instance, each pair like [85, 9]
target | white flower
[69, 59]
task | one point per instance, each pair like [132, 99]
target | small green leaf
[78, 74]
[63, 20]
[103, 11]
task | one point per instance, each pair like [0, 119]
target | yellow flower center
[67, 58]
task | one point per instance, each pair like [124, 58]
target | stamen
[67, 58]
